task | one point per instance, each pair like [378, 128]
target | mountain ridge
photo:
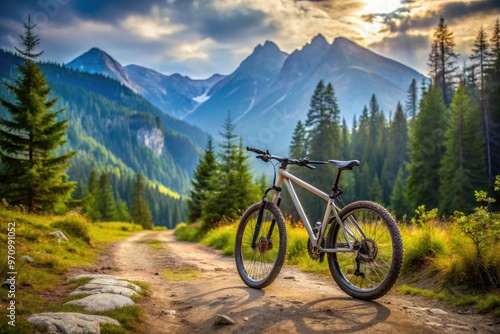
[277, 85]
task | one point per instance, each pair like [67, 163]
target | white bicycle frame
[285, 177]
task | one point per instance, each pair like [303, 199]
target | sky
[198, 38]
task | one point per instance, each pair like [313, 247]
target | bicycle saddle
[343, 165]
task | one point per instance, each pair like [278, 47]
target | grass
[155, 244]
[180, 274]
[53, 258]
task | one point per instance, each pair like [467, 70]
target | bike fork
[259, 220]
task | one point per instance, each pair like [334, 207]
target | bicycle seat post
[336, 191]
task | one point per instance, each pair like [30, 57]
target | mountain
[98, 61]
[242, 90]
[270, 90]
[267, 100]
[118, 131]
[175, 95]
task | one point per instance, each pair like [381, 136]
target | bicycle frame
[286, 177]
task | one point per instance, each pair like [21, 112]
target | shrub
[185, 232]
[482, 226]
[74, 224]
[423, 242]
[222, 238]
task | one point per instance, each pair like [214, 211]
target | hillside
[115, 130]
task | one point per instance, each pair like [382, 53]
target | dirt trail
[295, 303]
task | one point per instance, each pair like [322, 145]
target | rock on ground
[69, 323]
[102, 302]
[93, 289]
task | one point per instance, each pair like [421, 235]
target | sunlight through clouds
[201, 37]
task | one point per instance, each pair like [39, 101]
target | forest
[436, 149]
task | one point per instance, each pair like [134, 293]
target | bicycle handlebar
[266, 156]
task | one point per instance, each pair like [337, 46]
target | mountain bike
[361, 240]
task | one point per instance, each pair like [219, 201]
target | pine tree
[493, 103]
[442, 60]
[106, 203]
[412, 100]
[495, 42]
[481, 57]
[399, 204]
[397, 151]
[122, 213]
[482, 60]
[345, 141]
[375, 191]
[139, 211]
[462, 170]
[323, 122]
[200, 184]
[91, 199]
[298, 146]
[426, 148]
[233, 190]
[30, 173]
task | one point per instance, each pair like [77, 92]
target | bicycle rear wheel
[258, 265]
[372, 268]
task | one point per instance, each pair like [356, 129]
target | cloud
[410, 50]
[201, 37]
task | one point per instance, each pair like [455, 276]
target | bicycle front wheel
[372, 267]
[260, 249]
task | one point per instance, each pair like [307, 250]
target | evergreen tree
[495, 42]
[107, 203]
[233, 190]
[412, 100]
[139, 211]
[481, 58]
[493, 122]
[201, 185]
[463, 169]
[323, 121]
[122, 213]
[316, 107]
[399, 203]
[397, 151]
[345, 142]
[375, 191]
[442, 60]
[91, 199]
[298, 146]
[426, 150]
[30, 173]
[373, 147]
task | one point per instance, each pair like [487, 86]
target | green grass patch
[483, 303]
[154, 243]
[112, 329]
[52, 257]
[105, 232]
[221, 238]
[128, 316]
[74, 225]
[180, 274]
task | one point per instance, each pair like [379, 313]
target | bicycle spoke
[373, 266]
